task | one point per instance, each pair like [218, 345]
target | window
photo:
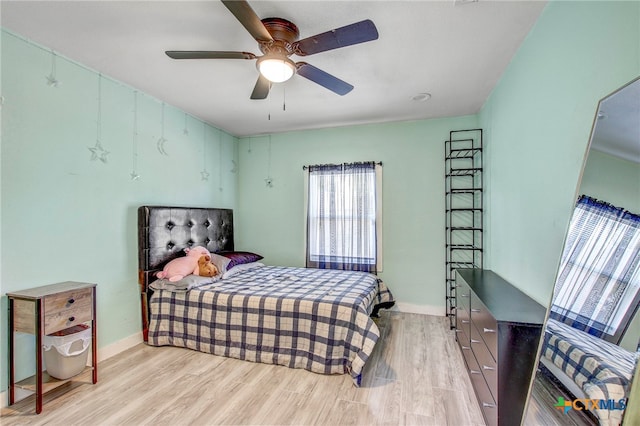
[344, 216]
[598, 284]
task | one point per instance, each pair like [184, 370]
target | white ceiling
[456, 51]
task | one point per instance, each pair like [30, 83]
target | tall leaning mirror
[590, 347]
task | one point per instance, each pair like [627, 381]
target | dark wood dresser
[498, 329]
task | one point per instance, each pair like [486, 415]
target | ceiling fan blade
[359, 32]
[323, 79]
[261, 90]
[203, 54]
[248, 18]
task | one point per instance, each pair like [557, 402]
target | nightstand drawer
[67, 309]
[65, 319]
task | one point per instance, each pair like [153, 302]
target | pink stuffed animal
[179, 268]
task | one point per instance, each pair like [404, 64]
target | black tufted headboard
[164, 233]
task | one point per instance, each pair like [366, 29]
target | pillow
[239, 268]
[221, 262]
[187, 283]
[239, 257]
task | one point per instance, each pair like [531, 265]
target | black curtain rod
[377, 163]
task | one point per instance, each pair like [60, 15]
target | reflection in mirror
[591, 342]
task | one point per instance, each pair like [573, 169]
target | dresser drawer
[487, 404]
[463, 320]
[486, 325]
[487, 365]
[463, 295]
[63, 310]
[463, 338]
[463, 302]
[469, 358]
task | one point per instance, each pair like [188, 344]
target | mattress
[315, 319]
[601, 369]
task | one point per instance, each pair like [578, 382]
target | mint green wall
[537, 122]
[612, 179]
[271, 220]
[65, 217]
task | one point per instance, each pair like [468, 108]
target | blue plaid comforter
[601, 369]
[316, 319]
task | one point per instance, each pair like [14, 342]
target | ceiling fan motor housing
[284, 34]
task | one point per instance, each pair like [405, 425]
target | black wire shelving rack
[463, 209]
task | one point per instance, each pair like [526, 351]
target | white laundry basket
[65, 351]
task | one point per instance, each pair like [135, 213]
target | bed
[590, 367]
[318, 320]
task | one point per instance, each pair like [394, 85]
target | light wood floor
[416, 376]
[544, 396]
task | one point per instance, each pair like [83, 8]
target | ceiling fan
[278, 39]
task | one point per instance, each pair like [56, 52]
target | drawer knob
[466, 347]
[72, 319]
[465, 321]
[486, 367]
[474, 372]
[475, 310]
[488, 330]
[488, 405]
[475, 341]
[72, 301]
[464, 295]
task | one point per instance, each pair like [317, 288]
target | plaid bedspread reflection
[316, 319]
[601, 369]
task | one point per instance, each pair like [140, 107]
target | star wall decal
[98, 152]
[134, 175]
[52, 81]
[204, 175]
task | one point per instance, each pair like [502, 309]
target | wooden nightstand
[45, 310]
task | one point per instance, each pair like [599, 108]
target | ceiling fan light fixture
[276, 68]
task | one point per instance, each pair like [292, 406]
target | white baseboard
[104, 353]
[121, 345]
[419, 309]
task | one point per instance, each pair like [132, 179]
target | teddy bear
[206, 268]
[179, 268]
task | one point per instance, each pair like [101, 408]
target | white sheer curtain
[597, 289]
[341, 217]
